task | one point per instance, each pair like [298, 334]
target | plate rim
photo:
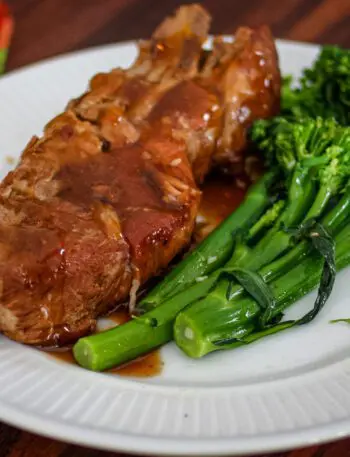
[172, 447]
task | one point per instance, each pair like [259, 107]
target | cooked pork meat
[127, 96]
[249, 80]
[108, 196]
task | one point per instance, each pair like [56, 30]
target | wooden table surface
[45, 28]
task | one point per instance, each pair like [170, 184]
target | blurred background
[45, 28]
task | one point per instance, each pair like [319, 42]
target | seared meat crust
[108, 196]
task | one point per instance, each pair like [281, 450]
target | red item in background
[6, 29]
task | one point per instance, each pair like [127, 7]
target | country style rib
[108, 196]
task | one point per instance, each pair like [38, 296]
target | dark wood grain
[45, 28]
[49, 27]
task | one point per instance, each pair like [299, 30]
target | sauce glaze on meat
[108, 196]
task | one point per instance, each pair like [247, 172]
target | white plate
[286, 391]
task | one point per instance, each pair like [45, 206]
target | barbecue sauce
[144, 367]
[221, 195]
[120, 317]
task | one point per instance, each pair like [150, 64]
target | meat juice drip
[145, 367]
[119, 317]
[64, 354]
[221, 195]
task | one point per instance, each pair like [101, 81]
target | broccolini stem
[322, 199]
[198, 336]
[139, 336]
[266, 220]
[276, 241]
[201, 314]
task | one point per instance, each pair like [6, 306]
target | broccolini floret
[323, 90]
[321, 145]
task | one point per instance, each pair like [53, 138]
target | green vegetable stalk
[140, 335]
[221, 301]
[241, 323]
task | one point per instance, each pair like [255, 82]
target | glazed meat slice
[84, 221]
[108, 196]
[241, 76]
[124, 98]
[247, 75]
[81, 228]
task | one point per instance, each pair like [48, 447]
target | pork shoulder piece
[108, 196]
[84, 221]
[248, 77]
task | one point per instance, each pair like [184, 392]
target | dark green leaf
[253, 284]
[324, 244]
